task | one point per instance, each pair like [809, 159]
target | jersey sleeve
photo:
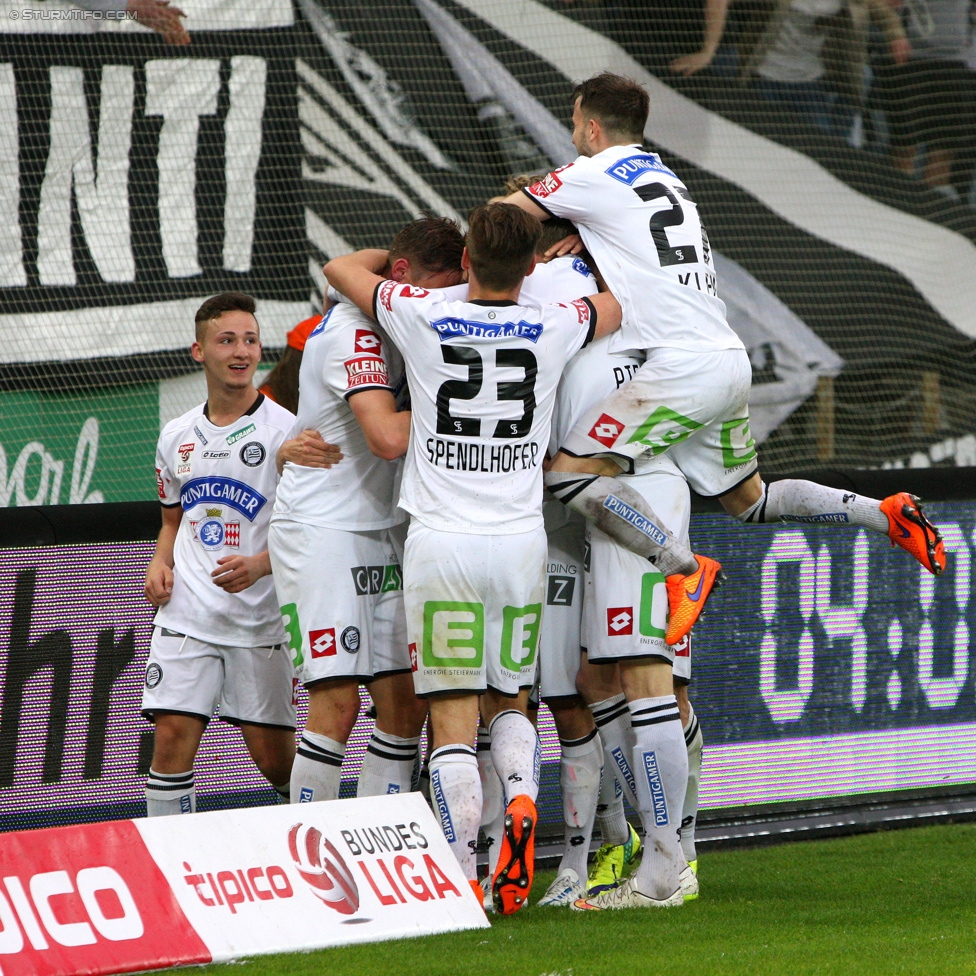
[565, 192]
[397, 307]
[357, 361]
[575, 323]
[166, 485]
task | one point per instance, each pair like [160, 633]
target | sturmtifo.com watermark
[31, 13]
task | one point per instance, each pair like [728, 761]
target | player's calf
[899, 516]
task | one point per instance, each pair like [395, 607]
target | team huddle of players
[442, 581]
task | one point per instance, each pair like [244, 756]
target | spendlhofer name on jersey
[489, 458]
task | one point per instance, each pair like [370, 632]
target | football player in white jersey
[483, 376]
[217, 636]
[690, 398]
[336, 567]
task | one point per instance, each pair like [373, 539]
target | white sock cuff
[608, 710]
[645, 712]
[573, 748]
[756, 512]
[692, 727]
[456, 752]
[169, 782]
[321, 748]
[393, 747]
[501, 715]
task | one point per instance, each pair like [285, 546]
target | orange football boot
[687, 596]
[512, 881]
[910, 529]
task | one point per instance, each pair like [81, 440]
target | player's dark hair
[555, 228]
[433, 244]
[619, 104]
[501, 243]
[213, 308]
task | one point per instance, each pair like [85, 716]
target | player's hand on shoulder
[236, 573]
[571, 244]
[159, 583]
[309, 450]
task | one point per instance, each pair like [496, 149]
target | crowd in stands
[893, 76]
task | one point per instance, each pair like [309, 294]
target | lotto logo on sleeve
[606, 430]
[322, 642]
[547, 185]
[160, 487]
[367, 341]
[620, 621]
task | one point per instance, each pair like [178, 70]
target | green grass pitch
[887, 903]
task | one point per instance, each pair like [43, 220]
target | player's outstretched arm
[236, 573]
[386, 431]
[159, 573]
[608, 314]
[309, 450]
[356, 276]
[526, 203]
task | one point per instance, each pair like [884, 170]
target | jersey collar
[247, 413]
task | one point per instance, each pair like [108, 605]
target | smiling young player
[217, 635]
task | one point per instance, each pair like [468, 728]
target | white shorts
[341, 598]
[253, 685]
[474, 609]
[626, 602]
[694, 406]
[560, 646]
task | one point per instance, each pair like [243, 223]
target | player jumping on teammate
[690, 399]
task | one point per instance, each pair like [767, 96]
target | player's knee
[175, 742]
[748, 502]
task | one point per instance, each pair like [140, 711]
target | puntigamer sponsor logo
[235, 494]
[631, 168]
[240, 434]
[450, 328]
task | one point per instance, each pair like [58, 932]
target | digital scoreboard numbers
[833, 664]
[828, 665]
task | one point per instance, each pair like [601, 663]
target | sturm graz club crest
[253, 453]
[213, 533]
[154, 674]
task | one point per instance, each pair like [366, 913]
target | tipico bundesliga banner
[128, 896]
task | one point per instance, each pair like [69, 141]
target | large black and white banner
[136, 178]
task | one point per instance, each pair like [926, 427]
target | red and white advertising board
[134, 895]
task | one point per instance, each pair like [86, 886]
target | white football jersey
[482, 379]
[640, 224]
[224, 478]
[346, 353]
